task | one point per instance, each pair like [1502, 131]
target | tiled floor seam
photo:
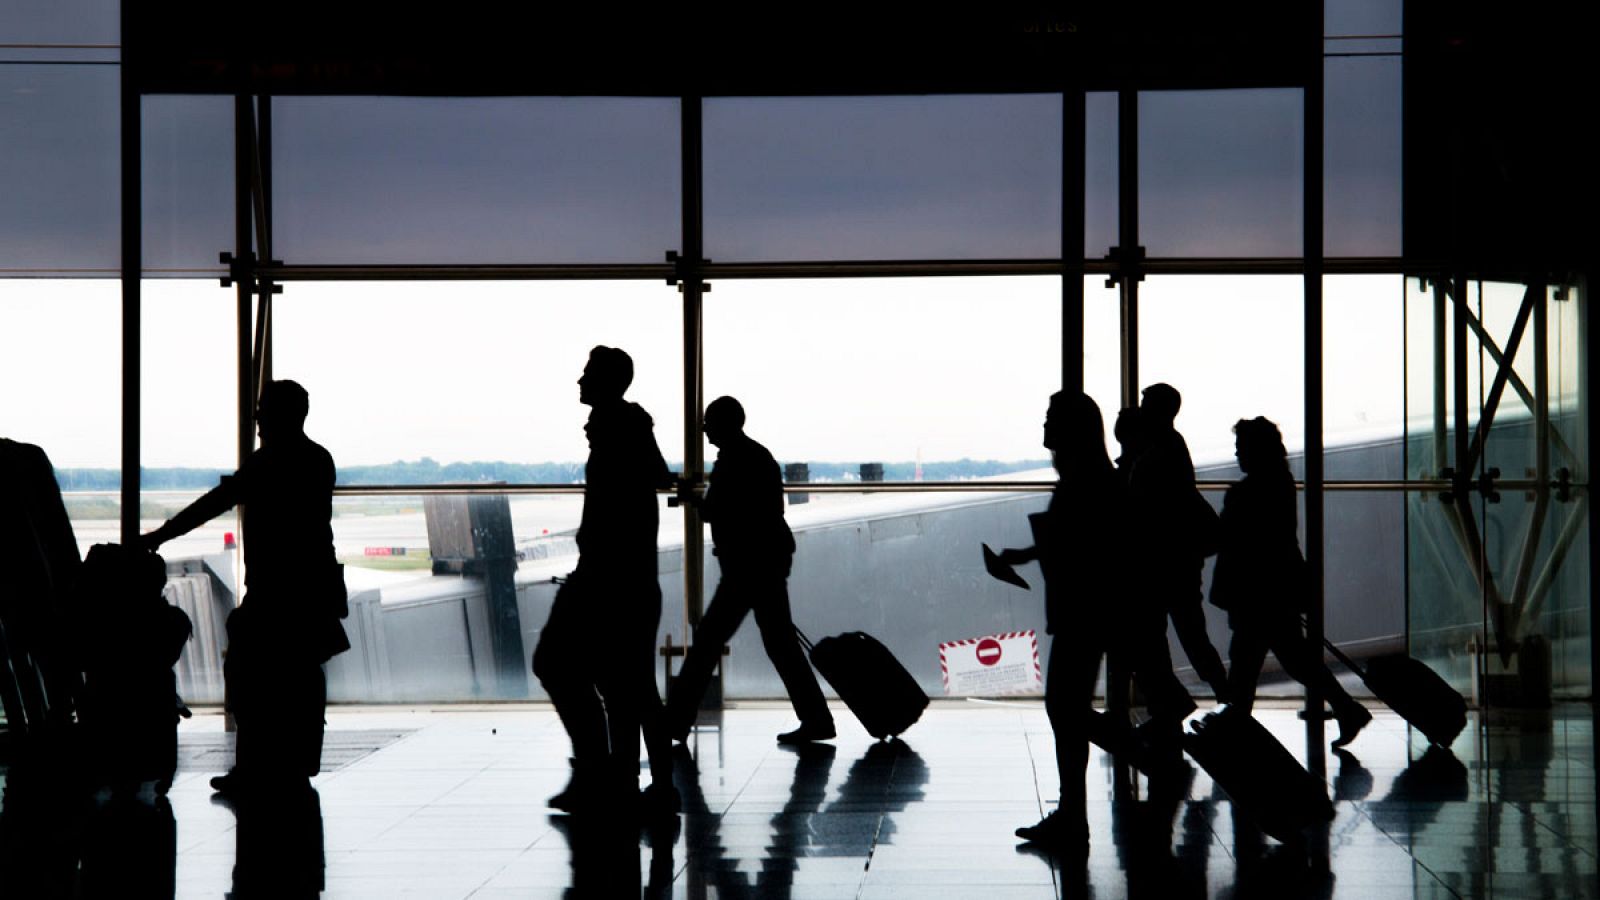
[1361, 808]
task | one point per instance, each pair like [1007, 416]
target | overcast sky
[869, 369]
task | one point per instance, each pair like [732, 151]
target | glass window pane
[1102, 350]
[1233, 346]
[946, 376]
[1361, 17]
[1220, 173]
[59, 139]
[60, 358]
[188, 439]
[417, 636]
[1363, 376]
[471, 381]
[848, 178]
[1361, 156]
[475, 180]
[902, 561]
[60, 22]
[187, 147]
[1099, 174]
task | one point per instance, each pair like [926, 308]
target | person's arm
[1016, 556]
[213, 503]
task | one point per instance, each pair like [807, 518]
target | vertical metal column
[1314, 499]
[1128, 238]
[242, 271]
[1072, 201]
[262, 183]
[691, 269]
[132, 268]
[244, 277]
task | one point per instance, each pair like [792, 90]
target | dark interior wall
[1498, 102]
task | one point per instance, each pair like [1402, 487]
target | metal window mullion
[132, 239]
[243, 137]
[1128, 238]
[1315, 525]
[1072, 235]
[692, 261]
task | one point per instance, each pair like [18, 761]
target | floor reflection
[455, 809]
[278, 844]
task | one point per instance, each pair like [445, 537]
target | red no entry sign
[988, 651]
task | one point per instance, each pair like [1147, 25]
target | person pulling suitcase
[755, 549]
[1260, 579]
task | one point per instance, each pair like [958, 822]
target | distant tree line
[429, 471]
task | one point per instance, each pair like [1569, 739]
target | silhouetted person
[39, 554]
[1076, 542]
[1261, 580]
[131, 637]
[605, 698]
[288, 624]
[754, 548]
[1172, 532]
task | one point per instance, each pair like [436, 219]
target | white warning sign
[992, 665]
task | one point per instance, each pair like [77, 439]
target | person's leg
[567, 678]
[1303, 662]
[1246, 652]
[1151, 660]
[661, 797]
[1069, 694]
[722, 618]
[1186, 607]
[783, 648]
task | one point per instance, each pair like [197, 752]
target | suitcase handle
[1340, 655]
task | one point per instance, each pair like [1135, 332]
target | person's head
[724, 420]
[1159, 405]
[1074, 433]
[282, 410]
[606, 377]
[1258, 445]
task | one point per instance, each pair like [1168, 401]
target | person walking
[754, 549]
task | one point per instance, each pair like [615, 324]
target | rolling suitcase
[869, 680]
[1415, 692]
[1259, 774]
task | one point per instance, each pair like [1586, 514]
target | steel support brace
[1491, 405]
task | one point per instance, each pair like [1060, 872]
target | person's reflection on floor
[606, 859]
[130, 848]
[1143, 831]
[887, 779]
[1353, 782]
[792, 827]
[278, 844]
[43, 814]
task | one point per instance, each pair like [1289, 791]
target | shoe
[1351, 724]
[577, 792]
[658, 801]
[1054, 832]
[807, 733]
[231, 784]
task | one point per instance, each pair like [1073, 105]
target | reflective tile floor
[450, 803]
